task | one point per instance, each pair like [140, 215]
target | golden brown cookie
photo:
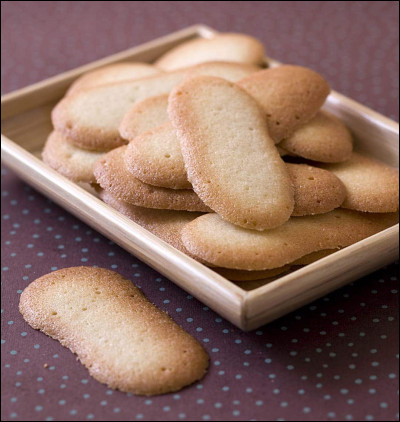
[315, 191]
[248, 275]
[371, 186]
[118, 335]
[290, 96]
[91, 117]
[324, 138]
[113, 73]
[222, 244]
[111, 174]
[145, 115]
[229, 47]
[72, 162]
[224, 138]
[155, 157]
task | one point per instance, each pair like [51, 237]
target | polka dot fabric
[335, 359]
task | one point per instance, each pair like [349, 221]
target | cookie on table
[224, 138]
[226, 245]
[290, 96]
[371, 186]
[90, 118]
[143, 116]
[315, 191]
[113, 73]
[324, 138]
[117, 334]
[111, 174]
[230, 47]
[72, 162]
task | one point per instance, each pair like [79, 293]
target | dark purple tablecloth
[333, 360]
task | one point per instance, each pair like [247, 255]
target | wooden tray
[25, 119]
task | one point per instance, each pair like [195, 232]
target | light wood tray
[25, 120]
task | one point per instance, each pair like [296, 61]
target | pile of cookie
[230, 162]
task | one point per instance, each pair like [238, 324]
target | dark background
[333, 360]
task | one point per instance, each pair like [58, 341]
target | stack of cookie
[235, 165]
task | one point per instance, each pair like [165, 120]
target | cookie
[117, 334]
[315, 191]
[324, 138]
[91, 117]
[371, 186]
[290, 96]
[168, 225]
[143, 116]
[72, 162]
[224, 138]
[222, 244]
[282, 152]
[229, 47]
[111, 174]
[230, 71]
[248, 275]
[113, 73]
[165, 224]
[155, 157]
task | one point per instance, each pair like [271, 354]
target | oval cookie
[290, 96]
[224, 138]
[371, 186]
[72, 162]
[324, 138]
[249, 275]
[113, 73]
[118, 335]
[222, 244]
[143, 116]
[227, 47]
[315, 191]
[155, 157]
[91, 117]
[111, 174]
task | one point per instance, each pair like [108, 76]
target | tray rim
[238, 300]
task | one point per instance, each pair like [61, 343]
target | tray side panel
[271, 301]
